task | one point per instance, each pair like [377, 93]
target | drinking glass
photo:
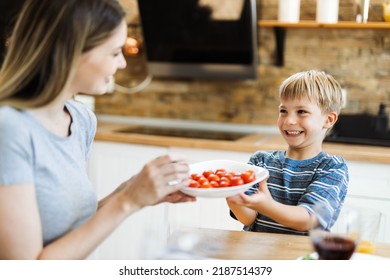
[342, 240]
[370, 222]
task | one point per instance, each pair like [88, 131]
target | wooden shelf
[314, 24]
[280, 30]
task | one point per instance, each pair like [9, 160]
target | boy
[304, 175]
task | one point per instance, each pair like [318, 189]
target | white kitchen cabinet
[370, 188]
[110, 164]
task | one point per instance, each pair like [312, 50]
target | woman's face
[97, 66]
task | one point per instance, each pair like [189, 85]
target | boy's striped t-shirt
[319, 180]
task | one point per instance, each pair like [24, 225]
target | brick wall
[358, 58]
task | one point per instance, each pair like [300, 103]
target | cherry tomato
[194, 184]
[248, 177]
[205, 185]
[214, 184]
[229, 174]
[224, 183]
[213, 177]
[236, 181]
[196, 177]
[226, 179]
[202, 180]
[207, 173]
[220, 172]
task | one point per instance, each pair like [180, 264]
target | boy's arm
[295, 217]
[335, 178]
[245, 208]
[243, 214]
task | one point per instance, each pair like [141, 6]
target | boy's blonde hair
[317, 86]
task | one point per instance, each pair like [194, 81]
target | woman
[48, 209]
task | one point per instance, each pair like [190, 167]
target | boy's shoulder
[337, 159]
[268, 155]
[275, 153]
[330, 163]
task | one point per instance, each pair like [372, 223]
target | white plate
[230, 166]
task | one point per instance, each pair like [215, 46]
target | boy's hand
[261, 196]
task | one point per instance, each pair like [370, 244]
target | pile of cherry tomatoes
[221, 178]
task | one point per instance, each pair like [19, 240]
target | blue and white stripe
[319, 180]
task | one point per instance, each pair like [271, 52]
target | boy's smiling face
[303, 125]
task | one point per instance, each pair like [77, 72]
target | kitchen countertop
[255, 138]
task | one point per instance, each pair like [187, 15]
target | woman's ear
[331, 119]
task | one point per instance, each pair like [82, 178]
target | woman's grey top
[56, 166]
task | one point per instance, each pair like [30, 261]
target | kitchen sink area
[181, 130]
[183, 133]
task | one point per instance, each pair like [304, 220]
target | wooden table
[239, 245]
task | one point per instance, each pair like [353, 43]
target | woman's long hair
[48, 38]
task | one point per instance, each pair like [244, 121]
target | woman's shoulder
[14, 127]
[81, 112]
[79, 108]
[7, 111]
[11, 119]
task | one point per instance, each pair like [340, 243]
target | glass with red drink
[341, 242]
